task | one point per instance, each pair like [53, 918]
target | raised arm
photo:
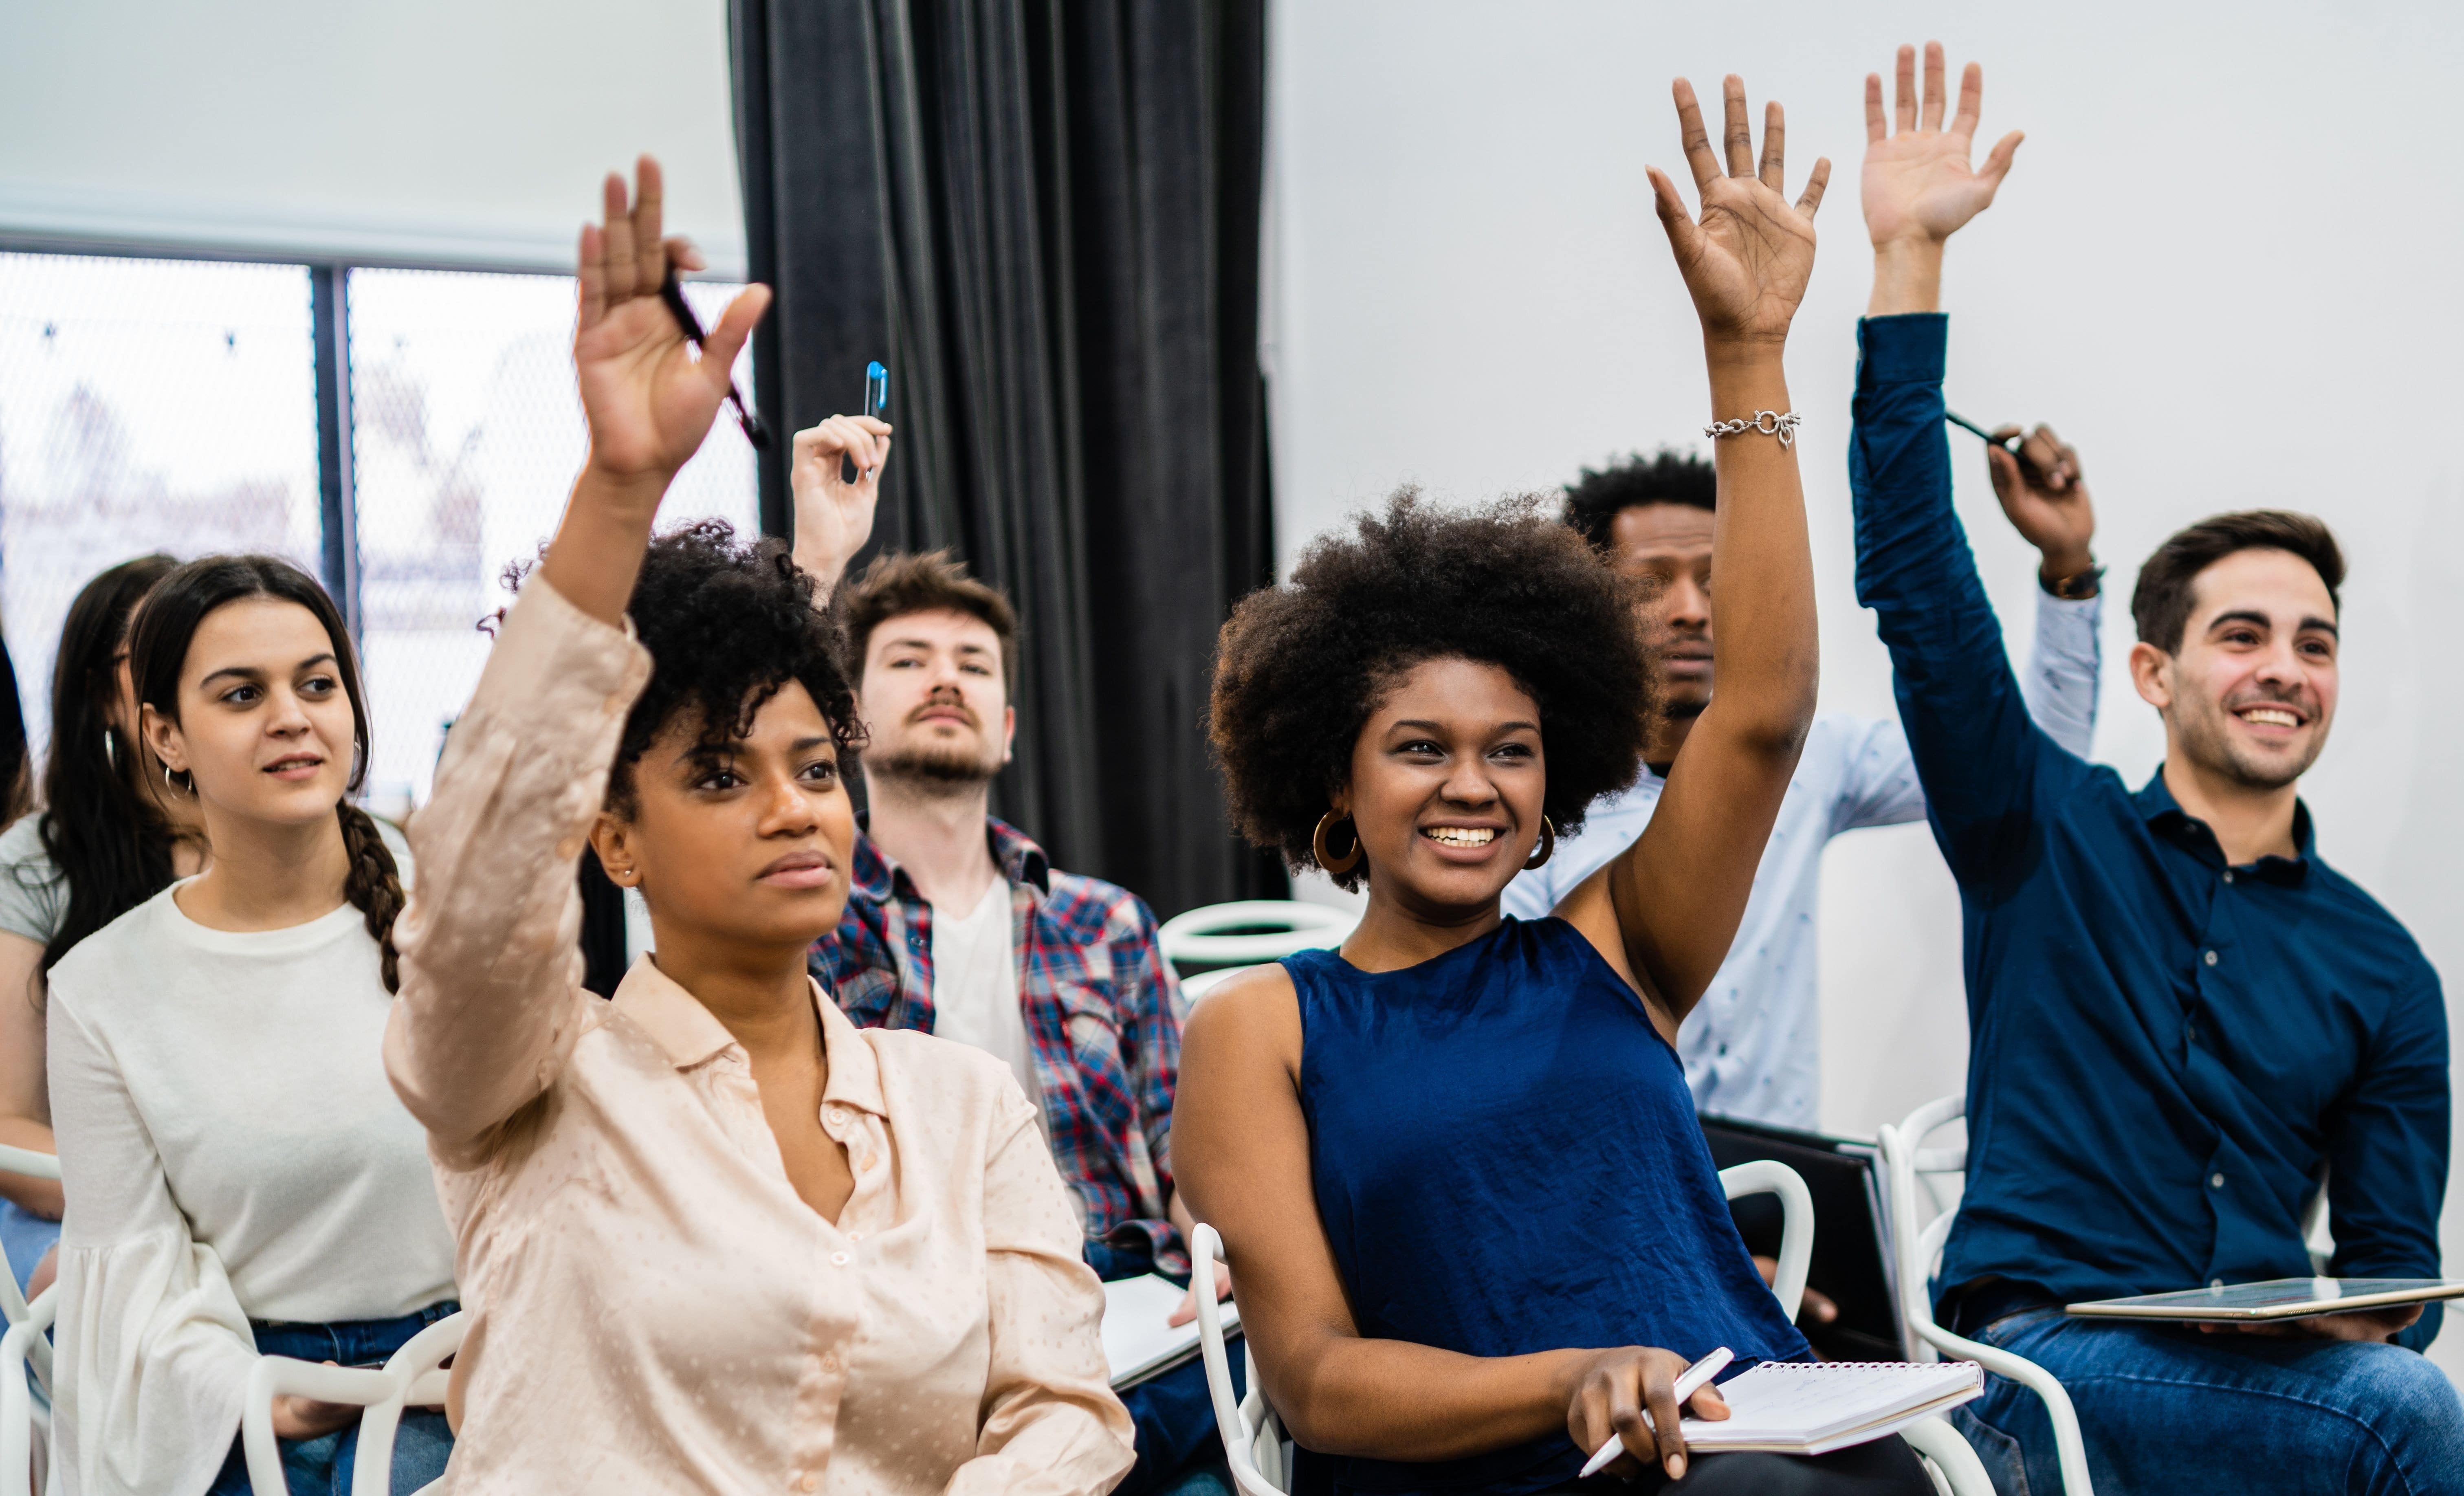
[834, 516]
[1666, 910]
[491, 999]
[1977, 754]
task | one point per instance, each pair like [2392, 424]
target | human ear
[612, 838]
[1009, 734]
[2151, 670]
[162, 739]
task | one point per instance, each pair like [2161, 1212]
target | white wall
[445, 131]
[2225, 267]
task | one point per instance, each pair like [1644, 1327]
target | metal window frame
[330, 332]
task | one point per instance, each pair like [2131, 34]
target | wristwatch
[2077, 588]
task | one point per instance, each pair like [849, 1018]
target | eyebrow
[250, 673]
[1422, 725]
[2246, 615]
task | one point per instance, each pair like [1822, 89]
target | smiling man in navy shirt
[2181, 1018]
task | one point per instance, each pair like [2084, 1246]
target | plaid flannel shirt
[1103, 1018]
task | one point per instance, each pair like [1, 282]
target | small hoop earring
[173, 786]
[1548, 847]
[111, 747]
[1336, 867]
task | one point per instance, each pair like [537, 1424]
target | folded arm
[2387, 1153]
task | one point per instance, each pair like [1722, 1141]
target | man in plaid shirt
[958, 925]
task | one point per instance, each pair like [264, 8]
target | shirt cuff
[1906, 349]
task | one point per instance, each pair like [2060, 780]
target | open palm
[1746, 260]
[648, 398]
[1917, 182]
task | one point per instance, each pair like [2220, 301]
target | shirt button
[837, 1118]
[840, 1259]
[2209, 957]
[2229, 874]
[2215, 1181]
[808, 1482]
[2215, 1282]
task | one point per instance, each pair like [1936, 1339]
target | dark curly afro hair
[1666, 477]
[727, 624]
[1300, 666]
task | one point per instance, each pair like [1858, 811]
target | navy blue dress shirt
[2165, 1051]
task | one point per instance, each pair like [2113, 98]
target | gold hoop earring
[1548, 847]
[1336, 867]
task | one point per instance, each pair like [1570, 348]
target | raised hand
[833, 517]
[2044, 497]
[1747, 259]
[648, 398]
[1917, 184]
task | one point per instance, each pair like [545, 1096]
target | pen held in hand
[673, 294]
[1689, 1381]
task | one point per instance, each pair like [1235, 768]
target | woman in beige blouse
[713, 1237]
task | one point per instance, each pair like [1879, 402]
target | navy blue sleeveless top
[1507, 1160]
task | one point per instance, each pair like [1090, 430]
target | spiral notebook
[1139, 1341]
[1814, 1407]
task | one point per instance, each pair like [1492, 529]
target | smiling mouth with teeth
[1460, 835]
[2270, 717]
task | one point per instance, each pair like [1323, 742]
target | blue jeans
[2166, 1411]
[24, 1238]
[321, 1467]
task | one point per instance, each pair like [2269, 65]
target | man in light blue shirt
[1753, 1048]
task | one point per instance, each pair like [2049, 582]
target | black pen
[2008, 444]
[673, 294]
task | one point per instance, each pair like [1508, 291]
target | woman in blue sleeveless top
[1474, 1225]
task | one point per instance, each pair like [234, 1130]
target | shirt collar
[1019, 860]
[2165, 814]
[676, 1021]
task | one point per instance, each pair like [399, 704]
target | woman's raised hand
[1746, 260]
[649, 399]
[1917, 184]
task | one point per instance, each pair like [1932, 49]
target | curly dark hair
[1667, 477]
[727, 622]
[1300, 666]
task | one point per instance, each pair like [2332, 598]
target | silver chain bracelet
[1771, 422]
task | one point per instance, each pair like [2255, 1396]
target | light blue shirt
[1753, 1047]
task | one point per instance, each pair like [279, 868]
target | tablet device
[1851, 1263]
[2276, 1298]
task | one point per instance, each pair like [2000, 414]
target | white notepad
[1137, 1343]
[1812, 1408]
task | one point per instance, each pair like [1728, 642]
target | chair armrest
[280, 1376]
[16, 1397]
[1796, 1223]
[1936, 1440]
[1230, 1419]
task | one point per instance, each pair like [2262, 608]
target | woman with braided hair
[240, 1178]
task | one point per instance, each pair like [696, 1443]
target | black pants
[1884, 1468]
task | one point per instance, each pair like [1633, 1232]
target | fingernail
[1677, 1467]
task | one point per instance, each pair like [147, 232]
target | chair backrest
[1917, 1240]
[12, 1304]
[19, 1421]
[1248, 931]
[1770, 1176]
[409, 1376]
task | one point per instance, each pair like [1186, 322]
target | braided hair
[158, 650]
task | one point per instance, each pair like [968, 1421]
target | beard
[2208, 741]
[945, 768]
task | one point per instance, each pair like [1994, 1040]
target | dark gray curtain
[1044, 218]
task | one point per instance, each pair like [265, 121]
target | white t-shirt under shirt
[1752, 1047]
[975, 984]
[230, 1149]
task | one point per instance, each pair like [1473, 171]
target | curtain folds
[1045, 218]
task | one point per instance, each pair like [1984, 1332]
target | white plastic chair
[1916, 1255]
[1253, 1437]
[1246, 932]
[24, 1413]
[410, 1378]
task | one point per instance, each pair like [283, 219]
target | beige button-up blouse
[653, 1308]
